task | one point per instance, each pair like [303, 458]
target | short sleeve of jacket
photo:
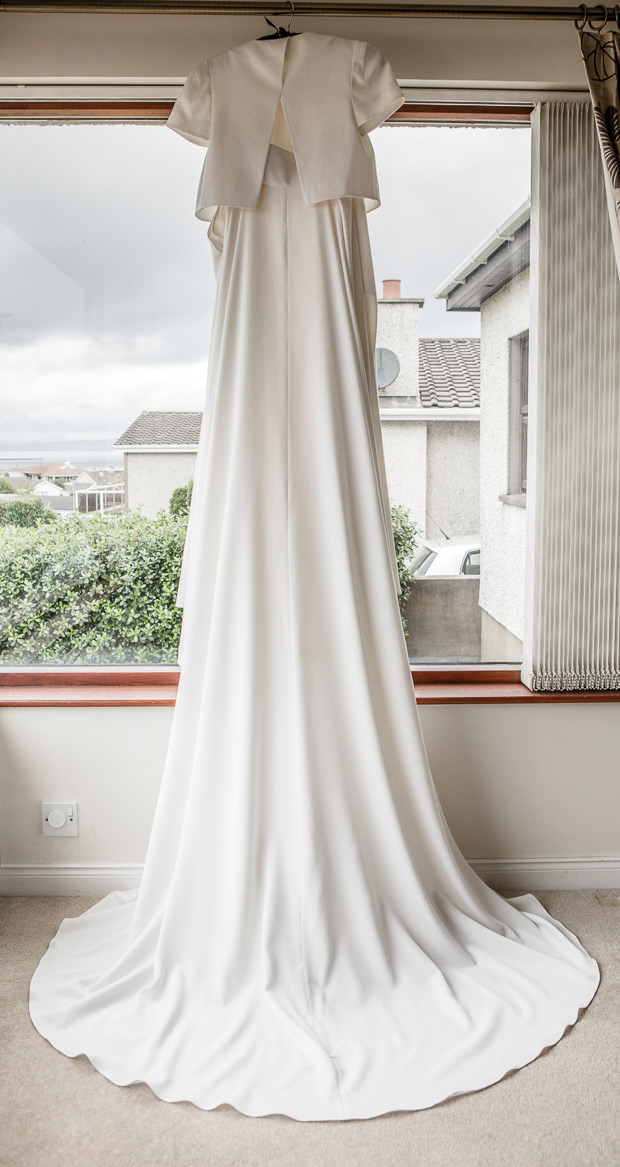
[375, 91]
[191, 112]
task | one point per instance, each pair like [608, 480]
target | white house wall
[453, 478]
[151, 478]
[404, 448]
[502, 525]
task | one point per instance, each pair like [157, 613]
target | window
[519, 358]
[105, 314]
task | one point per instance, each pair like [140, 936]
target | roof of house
[15, 477]
[156, 427]
[52, 469]
[498, 259]
[450, 372]
[60, 502]
[98, 478]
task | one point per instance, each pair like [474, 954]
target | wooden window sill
[148, 686]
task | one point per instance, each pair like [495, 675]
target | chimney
[391, 290]
[398, 331]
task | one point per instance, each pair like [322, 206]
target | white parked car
[459, 555]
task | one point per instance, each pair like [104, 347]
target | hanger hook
[292, 14]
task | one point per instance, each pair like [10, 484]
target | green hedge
[92, 590]
[25, 512]
[102, 590]
[405, 542]
[181, 499]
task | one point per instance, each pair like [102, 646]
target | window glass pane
[105, 301]
[106, 294]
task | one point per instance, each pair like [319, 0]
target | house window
[519, 363]
[104, 326]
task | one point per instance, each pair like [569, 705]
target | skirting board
[97, 879]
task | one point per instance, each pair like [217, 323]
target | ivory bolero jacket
[318, 95]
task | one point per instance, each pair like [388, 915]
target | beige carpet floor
[563, 1109]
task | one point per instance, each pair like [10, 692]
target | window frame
[133, 101]
[156, 686]
[518, 391]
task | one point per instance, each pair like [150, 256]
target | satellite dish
[388, 367]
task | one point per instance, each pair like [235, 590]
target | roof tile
[450, 372]
[156, 427]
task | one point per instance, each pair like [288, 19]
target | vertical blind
[572, 609]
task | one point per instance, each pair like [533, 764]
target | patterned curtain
[601, 55]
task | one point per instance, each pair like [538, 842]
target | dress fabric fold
[307, 939]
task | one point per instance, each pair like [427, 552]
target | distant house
[16, 477]
[99, 491]
[495, 282]
[160, 454]
[85, 491]
[47, 489]
[65, 471]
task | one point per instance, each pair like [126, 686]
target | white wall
[433, 469]
[502, 525]
[453, 477]
[511, 780]
[404, 450]
[151, 478]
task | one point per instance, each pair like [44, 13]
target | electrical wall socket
[59, 818]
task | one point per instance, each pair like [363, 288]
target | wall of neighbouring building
[453, 477]
[151, 478]
[404, 448]
[443, 620]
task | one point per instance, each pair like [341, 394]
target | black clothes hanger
[280, 32]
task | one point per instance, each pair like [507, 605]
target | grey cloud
[106, 283]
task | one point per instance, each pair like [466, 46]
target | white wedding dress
[307, 939]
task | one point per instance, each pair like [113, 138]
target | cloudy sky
[106, 284]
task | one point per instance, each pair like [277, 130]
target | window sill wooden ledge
[148, 686]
